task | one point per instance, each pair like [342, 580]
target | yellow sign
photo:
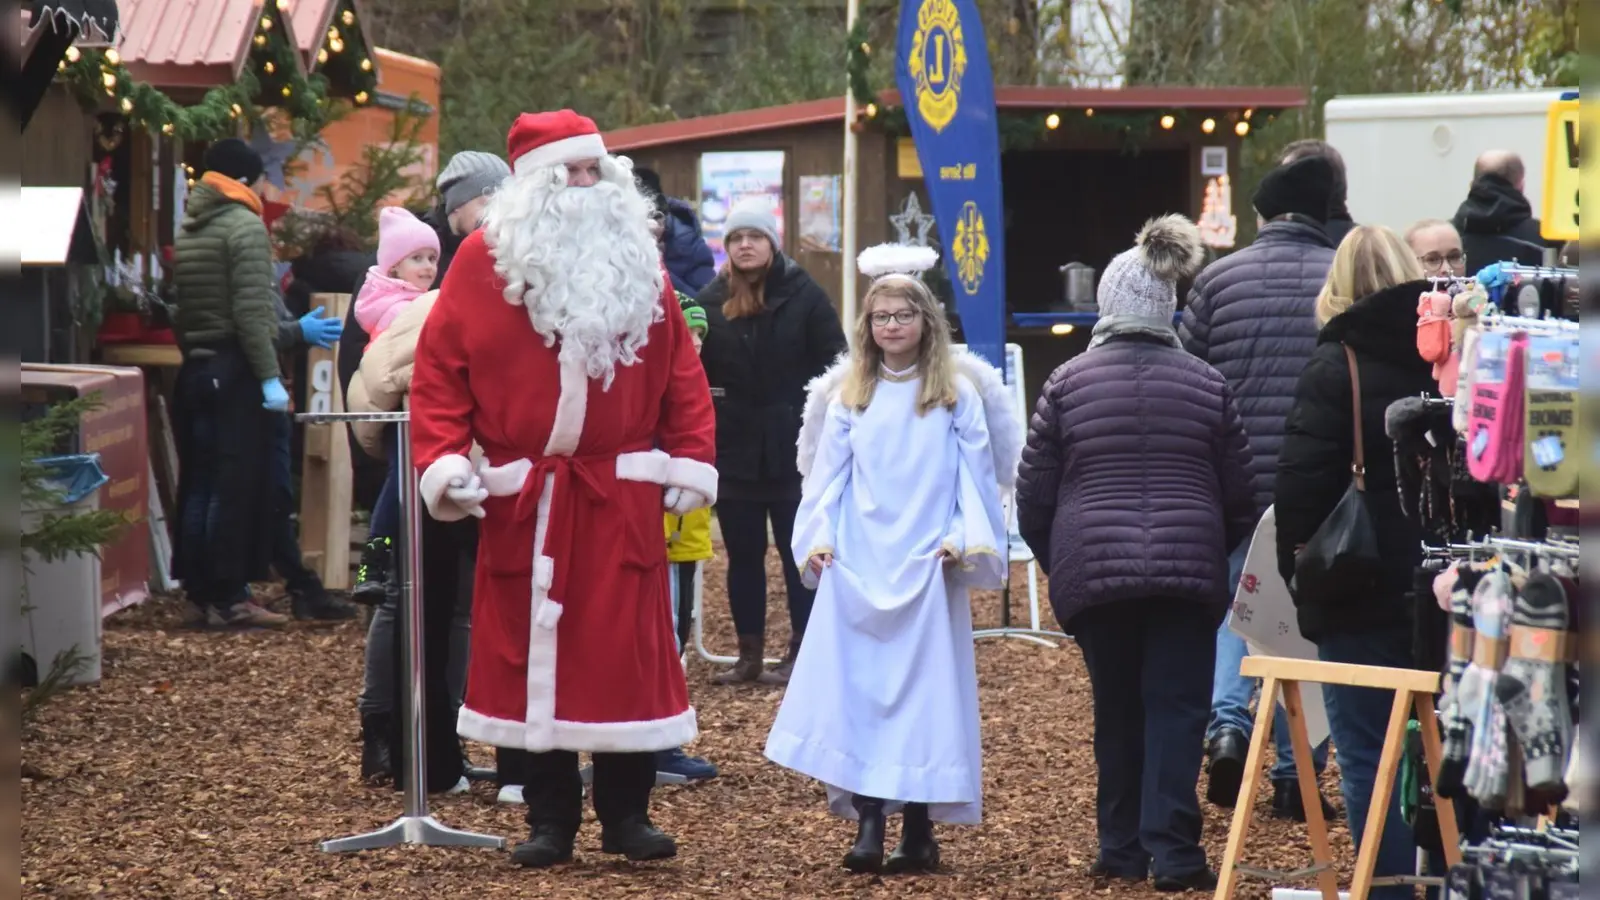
[906, 161]
[938, 60]
[1558, 220]
[970, 247]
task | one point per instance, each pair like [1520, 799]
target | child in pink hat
[408, 261]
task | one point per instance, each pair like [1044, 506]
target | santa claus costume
[557, 346]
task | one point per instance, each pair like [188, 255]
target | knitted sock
[1491, 614]
[1461, 412]
[1453, 710]
[1486, 421]
[1551, 461]
[1532, 685]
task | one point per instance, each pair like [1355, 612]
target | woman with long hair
[906, 447]
[1367, 312]
[771, 329]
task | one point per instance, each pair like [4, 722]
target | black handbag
[1342, 559]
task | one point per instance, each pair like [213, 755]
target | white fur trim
[559, 153]
[506, 480]
[436, 478]
[1006, 431]
[570, 411]
[541, 707]
[647, 465]
[694, 475]
[591, 737]
[904, 259]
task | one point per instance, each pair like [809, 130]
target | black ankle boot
[377, 564]
[637, 839]
[549, 844]
[917, 851]
[377, 762]
[867, 854]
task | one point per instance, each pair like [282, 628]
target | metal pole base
[423, 830]
[1042, 638]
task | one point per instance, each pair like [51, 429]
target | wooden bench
[1413, 690]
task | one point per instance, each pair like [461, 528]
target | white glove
[682, 501]
[468, 494]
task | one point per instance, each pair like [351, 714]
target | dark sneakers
[1286, 802]
[677, 767]
[377, 561]
[312, 604]
[1203, 880]
[1225, 768]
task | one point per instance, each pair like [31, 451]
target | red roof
[1019, 97]
[189, 43]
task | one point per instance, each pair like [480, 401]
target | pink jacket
[381, 299]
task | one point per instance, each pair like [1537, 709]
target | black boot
[377, 763]
[917, 851]
[637, 839]
[549, 844]
[377, 559]
[1225, 767]
[312, 603]
[867, 854]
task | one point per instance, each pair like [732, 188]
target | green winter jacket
[223, 279]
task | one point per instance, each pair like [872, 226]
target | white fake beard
[582, 260]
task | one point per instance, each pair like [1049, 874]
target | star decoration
[275, 154]
[911, 216]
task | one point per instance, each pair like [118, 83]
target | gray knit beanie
[753, 215]
[1143, 281]
[470, 175]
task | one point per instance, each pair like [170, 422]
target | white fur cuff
[436, 478]
[693, 475]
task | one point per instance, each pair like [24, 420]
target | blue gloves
[274, 397]
[320, 332]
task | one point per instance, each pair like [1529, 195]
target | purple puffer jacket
[1136, 478]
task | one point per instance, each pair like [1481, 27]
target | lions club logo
[970, 247]
[938, 60]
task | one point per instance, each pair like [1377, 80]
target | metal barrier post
[415, 825]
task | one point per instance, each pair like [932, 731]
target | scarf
[237, 191]
[1151, 326]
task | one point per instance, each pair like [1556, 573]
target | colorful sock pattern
[1532, 688]
[1487, 765]
[1453, 711]
[1551, 461]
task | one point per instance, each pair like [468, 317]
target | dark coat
[1339, 224]
[685, 251]
[1135, 480]
[1252, 315]
[1497, 225]
[1314, 465]
[758, 368]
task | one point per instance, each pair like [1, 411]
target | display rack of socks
[1518, 864]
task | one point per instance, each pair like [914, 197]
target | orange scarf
[236, 191]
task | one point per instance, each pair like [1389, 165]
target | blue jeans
[386, 512]
[1359, 718]
[1231, 692]
[287, 557]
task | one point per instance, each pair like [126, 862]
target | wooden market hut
[1099, 163]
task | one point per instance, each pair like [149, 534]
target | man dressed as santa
[556, 347]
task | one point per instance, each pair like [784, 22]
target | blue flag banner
[942, 69]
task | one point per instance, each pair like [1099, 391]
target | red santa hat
[555, 138]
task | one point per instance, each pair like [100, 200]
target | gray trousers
[379, 693]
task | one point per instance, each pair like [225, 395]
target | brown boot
[751, 665]
[785, 666]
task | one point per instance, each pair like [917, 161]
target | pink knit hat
[401, 234]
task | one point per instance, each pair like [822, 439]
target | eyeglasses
[899, 317]
[1456, 259]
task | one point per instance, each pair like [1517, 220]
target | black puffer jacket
[1314, 465]
[1497, 225]
[758, 368]
[1252, 315]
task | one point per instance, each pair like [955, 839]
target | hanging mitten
[1487, 767]
[1433, 327]
[1461, 411]
[1533, 682]
[1494, 282]
[1550, 460]
[1465, 307]
[1494, 439]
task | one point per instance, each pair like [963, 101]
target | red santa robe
[572, 640]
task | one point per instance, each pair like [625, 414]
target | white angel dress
[883, 701]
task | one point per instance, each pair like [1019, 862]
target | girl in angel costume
[906, 447]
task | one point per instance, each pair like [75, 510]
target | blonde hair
[934, 359]
[1422, 225]
[1370, 258]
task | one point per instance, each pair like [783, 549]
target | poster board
[819, 213]
[1263, 614]
[728, 179]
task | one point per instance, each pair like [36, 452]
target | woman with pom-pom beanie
[1134, 485]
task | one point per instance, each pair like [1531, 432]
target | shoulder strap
[1358, 463]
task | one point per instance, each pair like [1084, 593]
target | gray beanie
[753, 215]
[470, 175]
[1143, 282]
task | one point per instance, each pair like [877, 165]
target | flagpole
[847, 242]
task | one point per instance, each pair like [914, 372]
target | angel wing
[1006, 433]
